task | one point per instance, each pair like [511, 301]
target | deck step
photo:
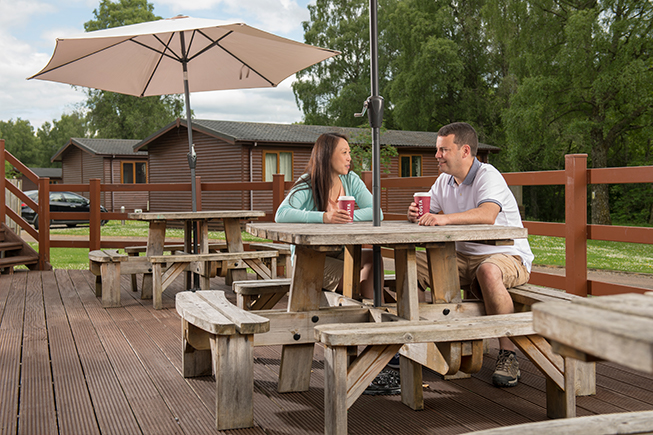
[10, 246]
[18, 260]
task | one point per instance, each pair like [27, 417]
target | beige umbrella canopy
[176, 55]
[147, 58]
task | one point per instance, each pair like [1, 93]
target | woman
[314, 199]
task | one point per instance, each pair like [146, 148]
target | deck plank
[36, 413]
[12, 295]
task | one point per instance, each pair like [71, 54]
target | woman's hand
[336, 216]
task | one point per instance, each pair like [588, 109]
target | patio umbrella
[176, 55]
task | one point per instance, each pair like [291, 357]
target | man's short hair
[464, 134]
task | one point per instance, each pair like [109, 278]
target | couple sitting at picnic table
[472, 193]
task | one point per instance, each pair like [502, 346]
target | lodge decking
[69, 366]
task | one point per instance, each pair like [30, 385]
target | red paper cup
[423, 201]
[347, 203]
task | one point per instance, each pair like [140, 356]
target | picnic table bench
[345, 381]
[217, 338]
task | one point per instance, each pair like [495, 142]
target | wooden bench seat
[283, 262]
[105, 265]
[218, 339]
[622, 423]
[344, 382]
[201, 264]
[135, 251]
[260, 294]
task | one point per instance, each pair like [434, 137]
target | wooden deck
[69, 366]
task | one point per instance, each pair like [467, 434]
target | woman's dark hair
[318, 170]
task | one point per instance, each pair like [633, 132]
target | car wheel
[103, 223]
[35, 222]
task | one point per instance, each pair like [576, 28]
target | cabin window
[277, 163]
[133, 172]
[410, 166]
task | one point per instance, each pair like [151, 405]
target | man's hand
[336, 216]
[430, 219]
[412, 212]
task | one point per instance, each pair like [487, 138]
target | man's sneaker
[387, 382]
[394, 362]
[506, 373]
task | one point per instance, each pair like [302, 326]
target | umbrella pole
[192, 156]
[375, 116]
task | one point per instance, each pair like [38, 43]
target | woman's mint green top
[299, 207]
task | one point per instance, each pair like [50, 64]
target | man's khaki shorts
[513, 271]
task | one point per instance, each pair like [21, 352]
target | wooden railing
[576, 231]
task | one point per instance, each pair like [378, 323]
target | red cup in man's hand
[423, 201]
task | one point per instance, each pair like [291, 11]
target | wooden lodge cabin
[230, 151]
[113, 161]
[54, 174]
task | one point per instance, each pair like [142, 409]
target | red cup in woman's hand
[347, 203]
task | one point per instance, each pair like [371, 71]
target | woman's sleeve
[363, 198]
[298, 207]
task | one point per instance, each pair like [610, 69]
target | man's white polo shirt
[482, 184]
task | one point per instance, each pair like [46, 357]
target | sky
[29, 28]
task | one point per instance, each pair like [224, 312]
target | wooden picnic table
[157, 229]
[313, 242]
[617, 328]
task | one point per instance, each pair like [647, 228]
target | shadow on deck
[67, 366]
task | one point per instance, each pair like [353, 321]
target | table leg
[234, 244]
[205, 277]
[351, 283]
[412, 394]
[305, 294]
[188, 247]
[443, 270]
[155, 239]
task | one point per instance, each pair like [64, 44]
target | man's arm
[485, 213]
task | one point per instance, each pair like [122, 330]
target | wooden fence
[576, 231]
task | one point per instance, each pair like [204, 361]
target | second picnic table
[156, 239]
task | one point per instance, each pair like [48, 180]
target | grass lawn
[549, 251]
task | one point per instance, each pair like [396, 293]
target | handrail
[576, 231]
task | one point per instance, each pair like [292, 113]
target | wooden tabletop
[618, 328]
[198, 215]
[390, 232]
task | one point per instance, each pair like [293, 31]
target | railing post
[366, 176]
[576, 224]
[198, 192]
[3, 186]
[278, 191]
[94, 221]
[44, 222]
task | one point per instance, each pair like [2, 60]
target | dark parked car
[59, 201]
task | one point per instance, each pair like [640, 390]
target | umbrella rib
[78, 58]
[162, 53]
[216, 43]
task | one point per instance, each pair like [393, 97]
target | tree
[121, 116]
[583, 79]
[20, 141]
[330, 92]
[54, 136]
[440, 65]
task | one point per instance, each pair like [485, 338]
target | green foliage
[361, 152]
[118, 116]
[56, 135]
[330, 92]
[21, 142]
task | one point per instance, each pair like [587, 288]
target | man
[471, 192]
